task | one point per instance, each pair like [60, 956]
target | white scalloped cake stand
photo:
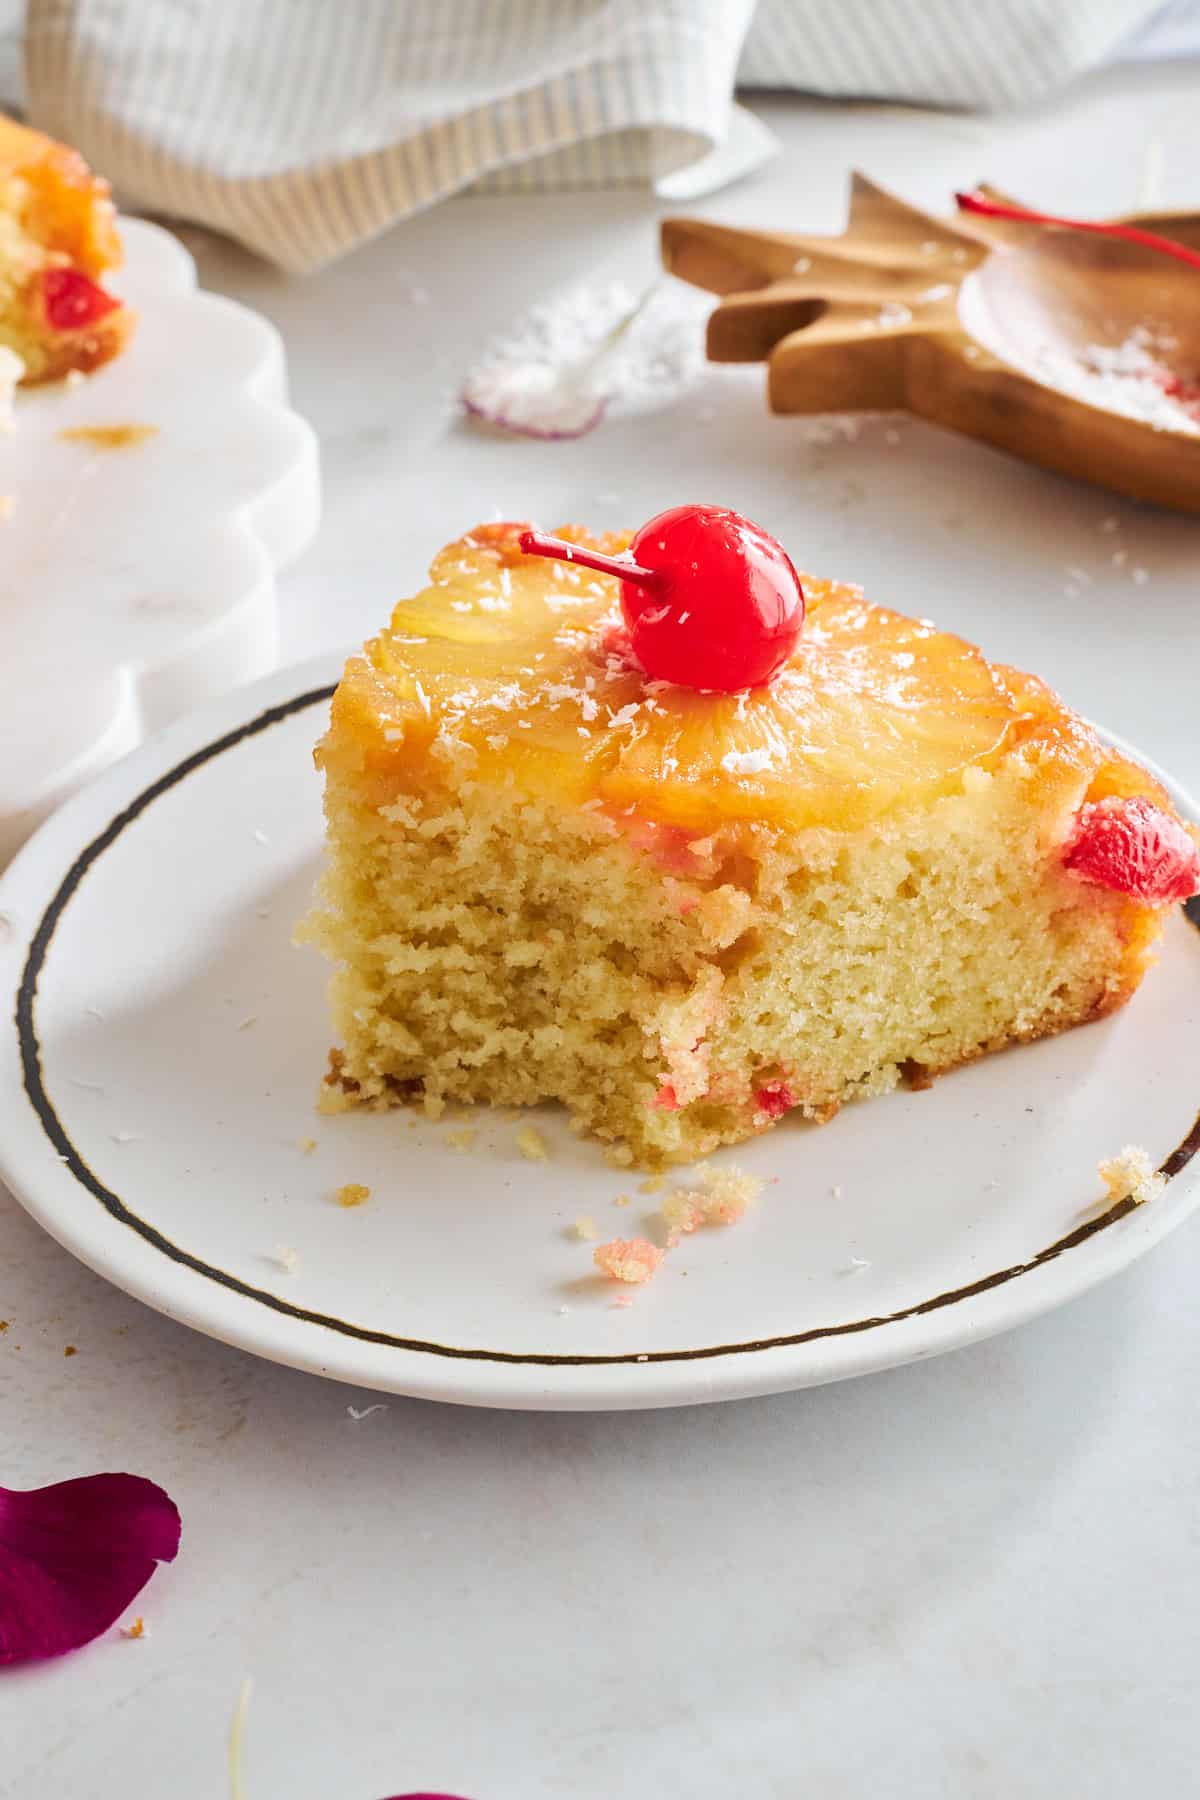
[135, 582]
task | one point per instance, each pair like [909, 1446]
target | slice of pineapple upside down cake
[687, 842]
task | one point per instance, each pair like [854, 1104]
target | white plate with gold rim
[158, 1089]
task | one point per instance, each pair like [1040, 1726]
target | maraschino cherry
[73, 300]
[1135, 848]
[711, 601]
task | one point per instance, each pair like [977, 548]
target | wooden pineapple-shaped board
[953, 321]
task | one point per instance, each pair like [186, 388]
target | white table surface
[976, 1577]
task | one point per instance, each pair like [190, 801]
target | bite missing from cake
[683, 913]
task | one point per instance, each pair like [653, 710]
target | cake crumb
[682, 1212]
[730, 1192]
[720, 1197]
[353, 1194]
[622, 1200]
[654, 1185]
[307, 1145]
[288, 1259]
[1130, 1175]
[634, 1260]
[462, 1139]
[136, 1630]
[70, 1350]
[622, 1301]
[532, 1144]
[585, 1228]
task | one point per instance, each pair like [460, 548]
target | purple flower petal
[73, 1556]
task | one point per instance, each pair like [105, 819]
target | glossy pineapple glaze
[51, 196]
[509, 669]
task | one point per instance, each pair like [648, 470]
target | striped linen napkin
[305, 127]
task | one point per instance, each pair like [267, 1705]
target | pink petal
[73, 1556]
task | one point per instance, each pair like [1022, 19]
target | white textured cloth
[304, 127]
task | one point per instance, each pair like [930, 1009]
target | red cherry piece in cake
[774, 1099]
[1133, 847]
[73, 301]
[710, 599]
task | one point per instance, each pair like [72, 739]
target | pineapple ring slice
[507, 665]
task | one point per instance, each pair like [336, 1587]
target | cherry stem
[1132, 234]
[537, 543]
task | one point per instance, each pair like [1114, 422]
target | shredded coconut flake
[626, 716]
[1133, 378]
[746, 762]
[591, 350]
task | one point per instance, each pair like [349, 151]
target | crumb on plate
[108, 437]
[585, 1228]
[353, 1194]
[532, 1144]
[628, 1259]
[1130, 1175]
[720, 1197]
